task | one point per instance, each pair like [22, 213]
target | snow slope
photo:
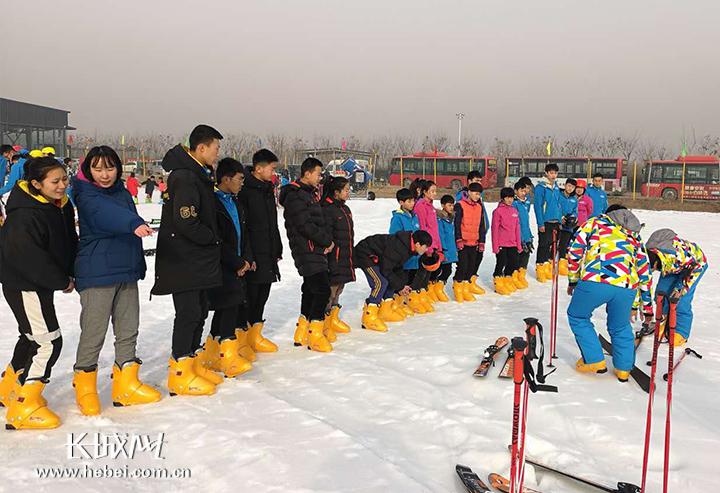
[385, 412]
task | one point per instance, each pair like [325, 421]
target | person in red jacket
[133, 185]
[506, 242]
[470, 231]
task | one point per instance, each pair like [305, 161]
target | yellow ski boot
[231, 363]
[599, 367]
[128, 390]
[474, 288]
[316, 339]
[86, 395]
[257, 342]
[9, 386]
[182, 379]
[301, 327]
[371, 319]
[467, 295]
[29, 410]
[244, 348]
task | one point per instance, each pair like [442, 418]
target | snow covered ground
[389, 412]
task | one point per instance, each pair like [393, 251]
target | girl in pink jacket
[426, 213]
[585, 203]
[506, 243]
[424, 281]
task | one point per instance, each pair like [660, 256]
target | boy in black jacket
[236, 259]
[258, 200]
[187, 261]
[310, 242]
[381, 258]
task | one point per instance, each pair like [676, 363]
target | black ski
[621, 487]
[642, 378]
[471, 481]
[489, 356]
[507, 369]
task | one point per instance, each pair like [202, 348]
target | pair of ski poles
[520, 400]
[670, 325]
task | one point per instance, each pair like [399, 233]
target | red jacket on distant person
[132, 185]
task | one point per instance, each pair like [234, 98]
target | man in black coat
[310, 241]
[187, 261]
[258, 200]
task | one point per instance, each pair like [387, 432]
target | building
[33, 126]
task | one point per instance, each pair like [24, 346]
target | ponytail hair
[419, 186]
[334, 184]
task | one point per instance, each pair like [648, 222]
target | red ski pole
[554, 297]
[516, 461]
[659, 300]
[672, 321]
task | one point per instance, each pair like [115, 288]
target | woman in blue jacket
[109, 264]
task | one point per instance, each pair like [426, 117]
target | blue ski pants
[618, 303]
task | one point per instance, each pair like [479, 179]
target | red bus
[665, 178]
[570, 167]
[446, 171]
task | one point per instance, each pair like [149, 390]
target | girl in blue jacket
[109, 264]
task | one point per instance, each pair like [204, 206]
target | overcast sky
[342, 67]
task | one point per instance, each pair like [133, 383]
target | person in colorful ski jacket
[608, 264]
[681, 264]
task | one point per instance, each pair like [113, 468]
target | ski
[621, 487]
[489, 356]
[642, 378]
[471, 481]
[507, 370]
[501, 483]
[150, 252]
[687, 352]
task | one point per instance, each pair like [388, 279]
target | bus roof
[444, 155]
[698, 159]
[556, 158]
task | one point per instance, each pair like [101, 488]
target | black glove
[530, 247]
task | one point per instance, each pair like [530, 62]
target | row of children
[204, 259]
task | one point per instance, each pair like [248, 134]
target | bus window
[713, 175]
[672, 173]
[607, 170]
[491, 165]
[696, 174]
